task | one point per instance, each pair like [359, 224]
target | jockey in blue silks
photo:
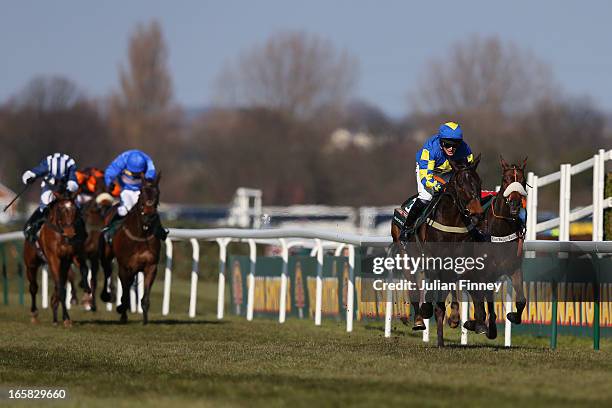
[58, 171]
[432, 162]
[129, 169]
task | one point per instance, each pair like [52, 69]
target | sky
[86, 41]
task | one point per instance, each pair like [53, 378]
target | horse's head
[148, 201]
[467, 189]
[63, 213]
[513, 185]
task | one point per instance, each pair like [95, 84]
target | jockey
[432, 165]
[129, 169]
[57, 171]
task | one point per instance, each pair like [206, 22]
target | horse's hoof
[492, 332]
[105, 296]
[121, 309]
[470, 325]
[34, 320]
[55, 324]
[68, 323]
[123, 319]
[73, 300]
[427, 310]
[481, 328]
[453, 323]
[419, 327]
[514, 317]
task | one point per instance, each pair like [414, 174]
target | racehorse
[135, 247]
[59, 246]
[454, 218]
[503, 225]
[96, 203]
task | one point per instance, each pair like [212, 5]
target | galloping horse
[455, 215]
[506, 229]
[96, 203]
[136, 248]
[60, 245]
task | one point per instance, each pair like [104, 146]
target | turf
[177, 361]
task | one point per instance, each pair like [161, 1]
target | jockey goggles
[450, 143]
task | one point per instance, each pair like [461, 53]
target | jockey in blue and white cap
[129, 169]
[57, 171]
[432, 164]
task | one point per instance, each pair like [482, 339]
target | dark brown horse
[136, 249]
[96, 203]
[59, 244]
[457, 212]
[506, 229]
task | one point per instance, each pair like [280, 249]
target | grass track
[180, 362]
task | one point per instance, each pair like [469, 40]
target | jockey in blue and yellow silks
[432, 163]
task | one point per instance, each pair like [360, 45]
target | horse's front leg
[93, 262]
[521, 302]
[127, 279]
[54, 269]
[106, 260]
[440, 311]
[63, 278]
[492, 320]
[150, 272]
[478, 324]
[32, 265]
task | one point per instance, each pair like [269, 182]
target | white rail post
[119, 291]
[426, 331]
[133, 295]
[350, 290]
[508, 307]
[531, 211]
[45, 287]
[139, 290]
[109, 305]
[602, 175]
[596, 198]
[389, 306]
[251, 279]
[564, 202]
[195, 261]
[221, 286]
[464, 316]
[68, 295]
[282, 309]
[319, 286]
[167, 278]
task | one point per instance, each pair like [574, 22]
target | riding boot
[159, 231]
[33, 224]
[109, 230]
[413, 214]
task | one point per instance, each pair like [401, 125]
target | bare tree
[141, 112]
[483, 74]
[50, 114]
[293, 72]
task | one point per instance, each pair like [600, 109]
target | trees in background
[50, 114]
[301, 75]
[281, 105]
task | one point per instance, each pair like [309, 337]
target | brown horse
[136, 249]
[503, 225]
[59, 244]
[96, 203]
[454, 218]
